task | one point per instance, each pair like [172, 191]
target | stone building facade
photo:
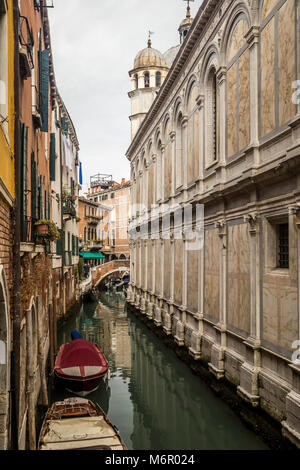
[112, 229]
[224, 132]
[7, 201]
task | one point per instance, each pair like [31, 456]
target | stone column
[217, 364]
[159, 304]
[169, 314]
[162, 173]
[221, 77]
[253, 41]
[200, 103]
[184, 167]
[179, 337]
[173, 146]
[249, 374]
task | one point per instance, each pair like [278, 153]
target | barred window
[283, 246]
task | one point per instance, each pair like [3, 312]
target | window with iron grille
[283, 246]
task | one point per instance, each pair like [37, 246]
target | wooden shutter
[44, 67]
[52, 157]
[33, 187]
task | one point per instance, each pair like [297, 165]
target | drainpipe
[16, 309]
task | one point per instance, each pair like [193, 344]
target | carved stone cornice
[252, 37]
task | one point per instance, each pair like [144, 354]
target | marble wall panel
[280, 316]
[178, 271]
[192, 280]
[231, 111]
[237, 39]
[239, 286]
[268, 79]
[267, 7]
[212, 274]
[286, 61]
[244, 100]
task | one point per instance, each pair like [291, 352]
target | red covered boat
[80, 366]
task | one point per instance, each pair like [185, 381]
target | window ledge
[284, 272]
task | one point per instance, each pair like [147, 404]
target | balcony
[28, 229]
[95, 244]
[25, 48]
[93, 219]
[69, 209]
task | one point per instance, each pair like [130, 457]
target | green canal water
[152, 397]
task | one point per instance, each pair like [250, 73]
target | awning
[91, 255]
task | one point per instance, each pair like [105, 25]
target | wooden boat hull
[80, 367]
[78, 424]
[81, 387]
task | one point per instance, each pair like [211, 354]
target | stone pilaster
[217, 364]
[253, 41]
[200, 103]
[249, 373]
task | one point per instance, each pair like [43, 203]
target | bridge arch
[110, 273]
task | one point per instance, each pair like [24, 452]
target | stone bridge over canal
[100, 273]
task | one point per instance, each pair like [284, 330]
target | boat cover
[80, 358]
[78, 433]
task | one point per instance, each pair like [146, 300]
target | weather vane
[188, 7]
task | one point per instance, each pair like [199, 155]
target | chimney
[123, 181]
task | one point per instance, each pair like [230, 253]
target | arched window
[211, 105]
[158, 79]
[179, 150]
[193, 141]
[85, 234]
[136, 81]
[147, 79]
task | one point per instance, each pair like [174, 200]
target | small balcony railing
[26, 39]
[28, 234]
[69, 208]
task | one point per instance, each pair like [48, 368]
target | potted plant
[42, 228]
[47, 230]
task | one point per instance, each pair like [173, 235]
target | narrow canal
[152, 397]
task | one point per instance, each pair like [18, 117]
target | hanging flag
[80, 174]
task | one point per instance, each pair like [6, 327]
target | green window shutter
[52, 157]
[59, 244]
[23, 180]
[69, 241]
[46, 205]
[44, 67]
[33, 187]
[73, 245]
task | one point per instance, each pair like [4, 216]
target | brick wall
[6, 242]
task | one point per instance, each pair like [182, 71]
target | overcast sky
[94, 43]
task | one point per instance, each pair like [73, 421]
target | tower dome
[185, 25]
[149, 72]
[149, 57]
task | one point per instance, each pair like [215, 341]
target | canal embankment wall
[257, 418]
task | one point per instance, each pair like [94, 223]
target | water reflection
[152, 397]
